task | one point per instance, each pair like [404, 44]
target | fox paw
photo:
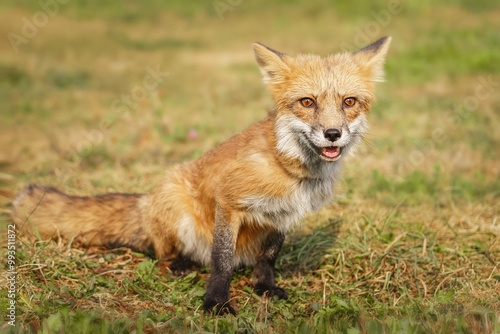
[183, 265]
[270, 291]
[217, 309]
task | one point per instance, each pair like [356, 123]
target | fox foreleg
[263, 279]
[222, 265]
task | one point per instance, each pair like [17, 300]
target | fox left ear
[272, 64]
[373, 56]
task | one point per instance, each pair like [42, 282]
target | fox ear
[272, 64]
[373, 57]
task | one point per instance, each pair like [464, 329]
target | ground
[411, 243]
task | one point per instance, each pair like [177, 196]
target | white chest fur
[283, 212]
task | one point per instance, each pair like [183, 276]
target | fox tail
[112, 219]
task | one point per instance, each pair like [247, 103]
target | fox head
[321, 103]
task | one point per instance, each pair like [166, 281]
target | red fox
[234, 205]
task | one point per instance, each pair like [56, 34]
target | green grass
[411, 243]
[456, 52]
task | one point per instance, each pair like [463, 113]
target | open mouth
[332, 152]
[328, 153]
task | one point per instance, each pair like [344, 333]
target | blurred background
[100, 96]
[76, 96]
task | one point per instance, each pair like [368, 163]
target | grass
[411, 243]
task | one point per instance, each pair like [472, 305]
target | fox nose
[333, 134]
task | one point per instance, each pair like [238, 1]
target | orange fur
[247, 191]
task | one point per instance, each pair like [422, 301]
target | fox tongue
[330, 152]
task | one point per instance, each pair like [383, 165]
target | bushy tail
[112, 219]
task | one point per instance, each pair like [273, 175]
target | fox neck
[293, 153]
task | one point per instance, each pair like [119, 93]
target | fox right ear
[272, 64]
[373, 57]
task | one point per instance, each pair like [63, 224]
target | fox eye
[307, 102]
[349, 102]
